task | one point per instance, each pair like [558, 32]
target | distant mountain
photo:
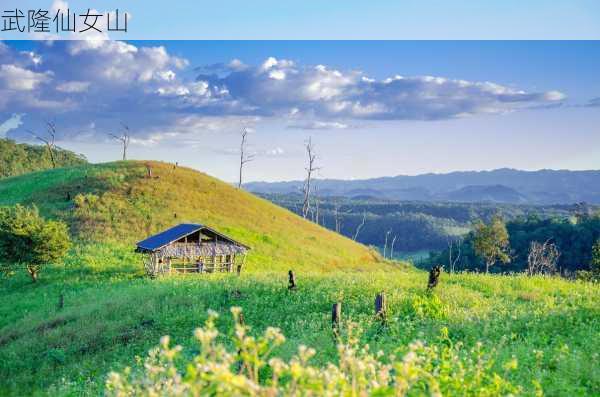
[486, 193]
[502, 185]
[21, 158]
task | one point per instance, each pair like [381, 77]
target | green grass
[113, 313]
[116, 202]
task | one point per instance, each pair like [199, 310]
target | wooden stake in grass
[336, 317]
[61, 301]
[434, 277]
[381, 307]
[292, 281]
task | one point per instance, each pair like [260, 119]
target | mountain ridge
[544, 186]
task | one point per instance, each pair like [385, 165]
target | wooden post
[336, 317]
[61, 301]
[292, 281]
[434, 277]
[381, 307]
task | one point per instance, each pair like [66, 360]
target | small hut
[191, 248]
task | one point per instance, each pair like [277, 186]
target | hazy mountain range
[502, 185]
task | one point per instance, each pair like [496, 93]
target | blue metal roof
[168, 236]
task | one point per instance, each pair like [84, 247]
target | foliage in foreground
[423, 369]
[28, 240]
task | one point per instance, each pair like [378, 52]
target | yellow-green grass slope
[121, 203]
[542, 332]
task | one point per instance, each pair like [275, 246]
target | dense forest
[417, 225]
[20, 158]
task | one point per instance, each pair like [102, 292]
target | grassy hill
[119, 203]
[21, 158]
[538, 333]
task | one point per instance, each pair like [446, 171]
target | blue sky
[350, 19]
[372, 108]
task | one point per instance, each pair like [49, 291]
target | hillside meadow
[538, 335]
[546, 328]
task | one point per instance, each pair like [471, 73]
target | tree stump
[292, 281]
[381, 307]
[434, 277]
[336, 317]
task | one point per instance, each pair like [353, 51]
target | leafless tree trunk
[337, 217]
[360, 226]
[317, 205]
[124, 138]
[310, 169]
[542, 258]
[392, 247]
[49, 141]
[244, 156]
[385, 244]
[453, 260]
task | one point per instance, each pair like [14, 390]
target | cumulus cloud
[105, 82]
[14, 77]
[279, 87]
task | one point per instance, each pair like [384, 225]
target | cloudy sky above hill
[372, 108]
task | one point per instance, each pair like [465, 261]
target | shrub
[28, 240]
[251, 370]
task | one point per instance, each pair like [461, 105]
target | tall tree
[311, 168]
[244, 156]
[491, 242]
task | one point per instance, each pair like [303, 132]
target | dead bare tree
[392, 247]
[124, 138]
[360, 226]
[542, 258]
[310, 169]
[453, 260]
[317, 205]
[385, 244]
[244, 156]
[49, 140]
[337, 216]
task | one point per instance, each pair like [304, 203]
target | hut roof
[157, 241]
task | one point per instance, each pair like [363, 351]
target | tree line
[568, 246]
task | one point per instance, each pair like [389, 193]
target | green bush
[29, 241]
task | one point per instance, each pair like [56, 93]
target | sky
[372, 108]
[347, 19]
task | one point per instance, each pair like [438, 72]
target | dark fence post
[239, 269]
[292, 281]
[434, 277]
[61, 301]
[381, 307]
[336, 317]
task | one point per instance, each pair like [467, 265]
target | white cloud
[150, 88]
[319, 125]
[73, 86]
[10, 124]
[16, 78]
